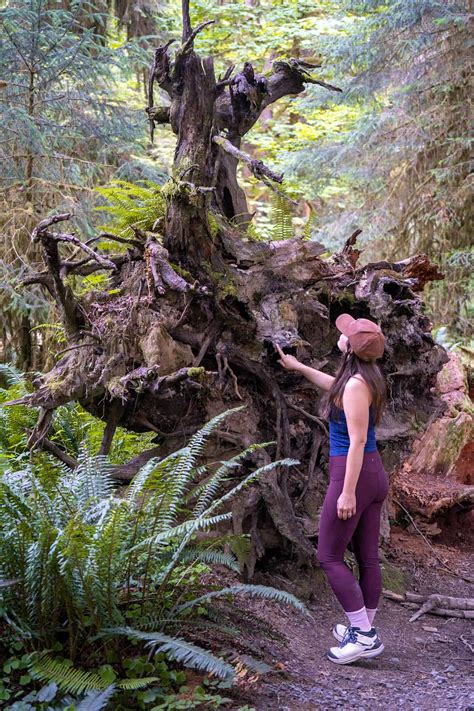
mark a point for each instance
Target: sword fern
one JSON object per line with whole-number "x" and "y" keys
{"x": 76, "y": 555}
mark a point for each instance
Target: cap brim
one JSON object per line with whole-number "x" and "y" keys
{"x": 343, "y": 322}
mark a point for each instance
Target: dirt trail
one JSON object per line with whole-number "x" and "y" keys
{"x": 425, "y": 665}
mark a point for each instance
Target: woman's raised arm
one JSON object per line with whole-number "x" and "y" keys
{"x": 322, "y": 380}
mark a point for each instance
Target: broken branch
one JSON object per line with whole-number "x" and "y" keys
{"x": 257, "y": 166}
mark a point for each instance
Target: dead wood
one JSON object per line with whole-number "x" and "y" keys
{"x": 442, "y": 605}
{"x": 189, "y": 328}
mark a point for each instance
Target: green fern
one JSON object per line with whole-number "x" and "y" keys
{"x": 10, "y": 374}
{"x": 78, "y": 681}
{"x": 132, "y": 684}
{"x": 132, "y": 206}
{"x": 97, "y": 700}
{"x": 310, "y": 224}
{"x": 245, "y": 482}
{"x": 263, "y": 591}
{"x": 178, "y": 649}
{"x": 210, "y": 488}
{"x": 281, "y": 216}
{"x": 80, "y": 555}
{"x": 210, "y": 556}
{"x": 69, "y": 679}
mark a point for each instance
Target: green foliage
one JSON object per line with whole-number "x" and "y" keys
{"x": 72, "y": 428}
{"x": 78, "y": 681}
{"x": 175, "y": 648}
{"x": 48, "y": 50}
{"x": 70, "y": 110}
{"x": 391, "y": 154}
{"x": 85, "y": 567}
{"x": 262, "y": 591}
{"x": 282, "y": 225}
{"x": 66, "y": 677}
{"x": 14, "y": 421}
{"x": 132, "y": 206}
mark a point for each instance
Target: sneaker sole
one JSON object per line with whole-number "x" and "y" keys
{"x": 361, "y": 655}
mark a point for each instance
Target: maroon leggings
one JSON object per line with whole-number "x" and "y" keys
{"x": 362, "y": 529}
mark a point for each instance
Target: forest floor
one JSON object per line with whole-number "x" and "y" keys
{"x": 425, "y": 665}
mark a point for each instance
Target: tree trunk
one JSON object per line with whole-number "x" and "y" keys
{"x": 200, "y": 306}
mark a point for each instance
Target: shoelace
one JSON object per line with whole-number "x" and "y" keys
{"x": 350, "y": 635}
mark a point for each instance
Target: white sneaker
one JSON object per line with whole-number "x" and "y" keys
{"x": 356, "y": 644}
{"x": 339, "y": 631}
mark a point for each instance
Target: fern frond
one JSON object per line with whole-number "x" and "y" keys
{"x": 68, "y": 678}
{"x": 204, "y": 522}
{"x": 264, "y": 591}
{"x": 211, "y": 487}
{"x": 184, "y": 474}
{"x": 132, "y": 684}
{"x": 288, "y": 462}
{"x": 309, "y": 225}
{"x": 97, "y": 700}
{"x": 282, "y": 223}
{"x": 132, "y": 206}
{"x": 79, "y": 681}
{"x": 185, "y": 470}
{"x": 93, "y": 477}
{"x": 178, "y": 649}
{"x": 152, "y": 471}
{"x": 11, "y": 375}
{"x": 212, "y": 557}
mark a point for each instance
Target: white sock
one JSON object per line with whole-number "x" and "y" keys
{"x": 359, "y": 618}
{"x": 371, "y": 614}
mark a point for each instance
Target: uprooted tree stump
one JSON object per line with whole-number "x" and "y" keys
{"x": 196, "y": 307}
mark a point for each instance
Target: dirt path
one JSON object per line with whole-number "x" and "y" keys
{"x": 425, "y": 666}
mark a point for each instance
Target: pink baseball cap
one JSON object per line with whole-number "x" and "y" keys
{"x": 365, "y": 336}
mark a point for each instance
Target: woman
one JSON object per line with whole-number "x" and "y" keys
{"x": 358, "y": 483}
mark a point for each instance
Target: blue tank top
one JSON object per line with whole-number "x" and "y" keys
{"x": 339, "y": 436}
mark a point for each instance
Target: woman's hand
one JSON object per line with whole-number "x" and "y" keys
{"x": 286, "y": 360}
{"x": 346, "y": 506}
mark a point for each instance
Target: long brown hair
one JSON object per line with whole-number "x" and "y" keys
{"x": 373, "y": 376}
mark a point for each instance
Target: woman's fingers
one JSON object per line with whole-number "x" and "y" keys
{"x": 345, "y": 513}
{"x": 282, "y": 355}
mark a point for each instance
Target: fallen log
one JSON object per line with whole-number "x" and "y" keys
{"x": 436, "y": 604}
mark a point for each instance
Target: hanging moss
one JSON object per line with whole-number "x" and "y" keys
{"x": 213, "y": 225}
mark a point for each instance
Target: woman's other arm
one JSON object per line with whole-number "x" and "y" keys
{"x": 356, "y": 401}
{"x": 322, "y": 380}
